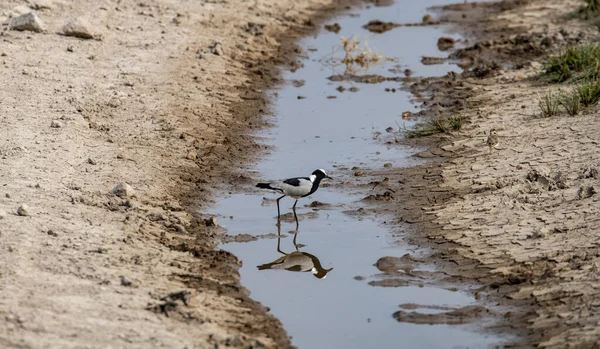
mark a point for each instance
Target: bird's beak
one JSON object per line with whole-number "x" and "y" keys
{"x": 328, "y": 177}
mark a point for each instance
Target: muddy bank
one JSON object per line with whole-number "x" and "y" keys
{"x": 520, "y": 220}
{"x": 161, "y": 97}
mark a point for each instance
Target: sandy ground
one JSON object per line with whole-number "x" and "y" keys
{"x": 162, "y": 98}
{"x": 523, "y": 220}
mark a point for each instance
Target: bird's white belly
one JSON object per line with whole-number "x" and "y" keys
{"x": 296, "y": 192}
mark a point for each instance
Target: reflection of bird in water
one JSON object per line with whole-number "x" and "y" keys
{"x": 297, "y": 188}
{"x": 297, "y": 261}
{"x": 493, "y": 141}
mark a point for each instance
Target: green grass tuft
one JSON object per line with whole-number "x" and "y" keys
{"x": 579, "y": 62}
{"x": 435, "y": 125}
{"x": 589, "y": 93}
{"x": 571, "y": 102}
{"x": 549, "y": 104}
{"x": 456, "y": 122}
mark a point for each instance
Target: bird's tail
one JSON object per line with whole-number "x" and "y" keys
{"x": 265, "y": 186}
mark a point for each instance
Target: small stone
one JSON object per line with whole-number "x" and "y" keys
{"x": 427, "y": 19}
{"x": 42, "y": 4}
{"x": 179, "y": 228}
{"x": 359, "y": 173}
{"x": 536, "y": 65}
{"x": 217, "y": 49}
{"x": 91, "y": 161}
{"x": 23, "y": 210}
{"x": 123, "y": 190}
{"x": 387, "y": 165}
{"x": 125, "y": 281}
{"x": 191, "y": 155}
{"x": 70, "y": 49}
{"x": 585, "y": 192}
{"x": 56, "y": 124}
{"x": 341, "y": 88}
{"x": 389, "y": 129}
{"x": 80, "y": 28}
{"x": 211, "y": 222}
{"x": 29, "y": 21}
{"x": 2, "y": 214}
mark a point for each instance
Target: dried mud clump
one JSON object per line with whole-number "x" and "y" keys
{"x": 387, "y": 196}
{"x": 586, "y": 191}
{"x": 377, "y": 26}
{"x": 334, "y": 28}
{"x": 453, "y": 317}
{"x": 550, "y": 181}
{"x": 444, "y": 44}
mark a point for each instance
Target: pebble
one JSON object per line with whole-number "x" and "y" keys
{"x": 217, "y": 49}
{"x": 42, "y": 4}
{"x": 191, "y": 155}
{"x": 23, "y": 210}
{"x": 91, "y": 161}
{"x": 387, "y": 165}
{"x": 179, "y": 228}
{"x": 29, "y": 21}
{"x": 211, "y": 222}
{"x": 56, "y": 124}
{"x": 125, "y": 281}
{"x": 2, "y": 214}
{"x": 80, "y": 28}
{"x": 123, "y": 190}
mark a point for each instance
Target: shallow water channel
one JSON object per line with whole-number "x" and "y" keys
{"x": 341, "y": 311}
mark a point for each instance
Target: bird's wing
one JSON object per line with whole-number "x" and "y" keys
{"x": 298, "y": 181}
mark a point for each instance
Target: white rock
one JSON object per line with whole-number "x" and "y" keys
{"x": 23, "y": 210}
{"x": 79, "y": 27}
{"x": 42, "y": 4}
{"x": 123, "y": 190}
{"x": 2, "y": 214}
{"x": 29, "y": 21}
{"x": 19, "y": 10}
{"x": 217, "y": 49}
{"x": 56, "y": 124}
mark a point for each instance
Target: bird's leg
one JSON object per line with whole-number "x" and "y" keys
{"x": 294, "y": 241}
{"x": 278, "y": 214}
{"x": 279, "y": 243}
{"x": 295, "y": 217}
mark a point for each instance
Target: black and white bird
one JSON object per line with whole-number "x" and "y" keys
{"x": 297, "y": 187}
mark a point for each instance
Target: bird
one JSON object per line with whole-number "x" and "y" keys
{"x": 493, "y": 141}
{"x": 297, "y": 187}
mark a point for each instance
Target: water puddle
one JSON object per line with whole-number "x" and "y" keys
{"x": 325, "y": 299}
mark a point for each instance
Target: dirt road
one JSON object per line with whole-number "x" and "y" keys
{"x": 161, "y": 98}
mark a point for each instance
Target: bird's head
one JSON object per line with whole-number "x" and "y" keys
{"x": 320, "y": 173}
{"x": 493, "y": 132}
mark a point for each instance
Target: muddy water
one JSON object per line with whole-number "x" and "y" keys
{"x": 341, "y": 310}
